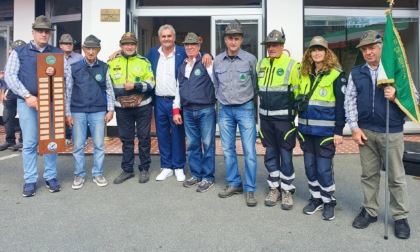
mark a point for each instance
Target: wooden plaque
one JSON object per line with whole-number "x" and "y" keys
{"x": 51, "y": 105}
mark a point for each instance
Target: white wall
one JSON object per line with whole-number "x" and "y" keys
{"x": 23, "y": 17}
{"x": 108, "y": 32}
{"x": 289, "y": 15}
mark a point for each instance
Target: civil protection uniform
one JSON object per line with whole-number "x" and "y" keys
{"x": 322, "y": 119}
{"x": 130, "y": 121}
{"x": 278, "y": 82}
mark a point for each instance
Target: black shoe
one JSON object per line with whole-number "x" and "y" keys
{"x": 123, "y": 177}
{"x": 16, "y": 147}
{"x": 144, "y": 176}
{"x": 5, "y": 146}
{"x": 231, "y": 190}
{"x": 329, "y": 211}
{"x": 402, "y": 229}
{"x": 250, "y": 199}
{"x": 363, "y": 219}
{"x": 314, "y": 205}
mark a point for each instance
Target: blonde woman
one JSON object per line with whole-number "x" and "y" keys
{"x": 320, "y": 105}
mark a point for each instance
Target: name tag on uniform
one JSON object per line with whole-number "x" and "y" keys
{"x": 261, "y": 74}
{"x": 117, "y": 76}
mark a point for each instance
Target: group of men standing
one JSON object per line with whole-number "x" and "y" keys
{"x": 188, "y": 85}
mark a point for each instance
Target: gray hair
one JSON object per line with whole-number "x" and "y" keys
{"x": 166, "y": 26}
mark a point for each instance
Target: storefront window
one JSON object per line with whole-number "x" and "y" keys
{"x": 65, "y": 7}
{"x": 165, "y": 3}
{"x": 411, "y": 4}
{"x": 343, "y": 34}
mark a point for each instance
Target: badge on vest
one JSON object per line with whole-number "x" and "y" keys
{"x": 197, "y": 72}
{"x": 138, "y": 79}
{"x": 117, "y": 76}
{"x": 280, "y": 71}
{"x": 323, "y": 92}
{"x": 242, "y": 77}
{"x": 98, "y": 77}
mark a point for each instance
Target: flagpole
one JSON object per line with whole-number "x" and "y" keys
{"x": 391, "y": 3}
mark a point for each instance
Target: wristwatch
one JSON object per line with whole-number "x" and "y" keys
{"x": 27, "y": 96}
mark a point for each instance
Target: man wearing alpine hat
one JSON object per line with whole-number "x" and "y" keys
{"x": 89, "y": 101}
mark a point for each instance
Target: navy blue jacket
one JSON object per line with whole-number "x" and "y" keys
{"x": 196, "y": 92}
{"x": 153, "y": 57}
{"x": 89, "y": 87}
{"x": 371, "y": 107}
{"x": 28, "y": 65}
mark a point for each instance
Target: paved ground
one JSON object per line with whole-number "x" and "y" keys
{"x": 164, "y": 216}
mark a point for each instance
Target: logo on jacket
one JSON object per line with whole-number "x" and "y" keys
{"x": 197, "y": 72}
{"x": 150, "y": 68}
{"x": 137, "y": 68}
{"x": 242, "y": 77}
{"x": 323, "y": 92}
{"x": 280, "y": 71}
{"x": 138, "y": 79}
{"x": 98, "y": 77}
{"x": 50, "y": 60}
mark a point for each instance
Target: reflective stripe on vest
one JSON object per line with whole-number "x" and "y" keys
{"x": 322, "y": 103}
{"x": 282, "y": 112}
{"x": 312, "y": 122}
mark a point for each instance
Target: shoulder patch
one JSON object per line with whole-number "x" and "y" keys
{"x": 343, "y": 89}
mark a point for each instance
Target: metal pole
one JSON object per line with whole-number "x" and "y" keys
{"x": 391, "y": 3}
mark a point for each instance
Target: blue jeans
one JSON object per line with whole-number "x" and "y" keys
{"x": 229, "y": 118}
{"x": 96, "y": 122}
{"x": 28, "y": 120}
{"x": 200, "y": 128}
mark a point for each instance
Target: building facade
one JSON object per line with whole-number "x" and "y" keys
{"x": 340, "y": 22}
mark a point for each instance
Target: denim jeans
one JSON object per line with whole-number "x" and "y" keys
{"x": 28, "y": 119}
{"x": 96, "y": 122}
{"x": 200, "y": 128}
{"x": 129, "y": 122}
{"x": 229, "y": 118}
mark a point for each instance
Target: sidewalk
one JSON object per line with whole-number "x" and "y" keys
{"x": 113, "y": 145}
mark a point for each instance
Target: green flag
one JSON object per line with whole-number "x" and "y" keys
{"x": 394, "y": 69}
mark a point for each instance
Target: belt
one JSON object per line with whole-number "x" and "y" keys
{"x": 167, "y": 97}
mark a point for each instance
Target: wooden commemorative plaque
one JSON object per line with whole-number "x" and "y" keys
{"x": 51, "y": 110}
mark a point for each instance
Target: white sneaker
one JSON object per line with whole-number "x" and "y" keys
{"x": 165, "y": 172}
{"x": 179, "y": 173}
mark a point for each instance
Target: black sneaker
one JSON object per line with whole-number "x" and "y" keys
{"x": 29, "y": 189}
{"x": 191, "y": 182}
{"x": 251, "y": 201}
{"x": 402, "y": 229}
{"x": 144, "y": 176}
{"x": 329, "y": 211}
{"x": 53, "y": 185}
{"x": 314, "y": 205}
{"x": 204, "y": 186}
{"x": 363, "y": 219}
{"x": 16, "y": 147}
{"x": 231, "y": 190}
{"x": 123, "y": 177}
{"x": 5, "y": 146}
